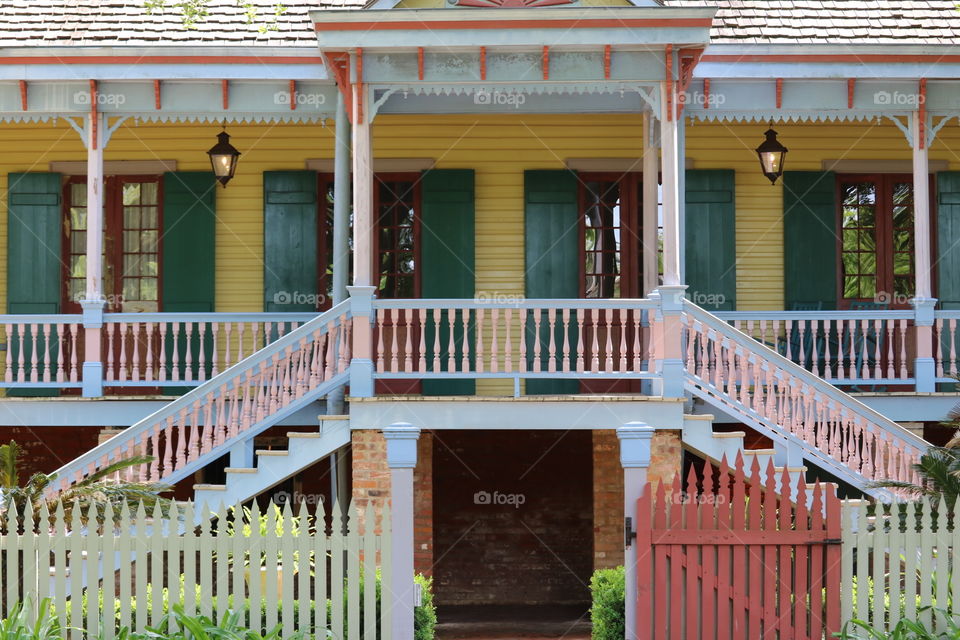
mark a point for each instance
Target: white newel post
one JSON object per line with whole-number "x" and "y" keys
{"x": 924, "y": 367}
{"x": 670, "y": 177}
{"x": 94, "y": 301}
{"x": 362, "y": 199}
{"x": 651, "y": 170}
{"x": 402, "y": 458}
{"x": 635, "y": 439}
{"x": 670, "y": 363}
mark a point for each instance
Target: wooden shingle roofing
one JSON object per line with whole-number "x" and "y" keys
{"x": 50, "y": 23}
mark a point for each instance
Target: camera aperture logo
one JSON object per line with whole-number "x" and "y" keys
{"x": 513, "y": 99}
{"x": 299, "y": 297}
{"x": 499, "y": 499}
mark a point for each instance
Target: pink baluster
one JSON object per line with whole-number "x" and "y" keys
{"x": 394, "y": 327}
{"x": 22, "y": 376}
{"x": 380, "y": 352}
{"x": 188, "y": 349}
{"x": 10, "y": 340}
{"x": 465, "y": 355}
{"x": 123, "y": 364}
{"x": 903, "y": 348}
{"x": 436, "y": 339}
{"x": 552, "y": 343}
{"x": 75, "y": 342}
{"x": 637, "y": 342}
{"x": 34, "y": 353}
{"x": 227, "y": 331}
{"x": 316, "y": 360}
{"x": 202, "y": 355}
{"x": 148, "y": 328}
{"x": 408, "y": 343}
{"x": 536, "y": 340}
{"x": 523, "y": 340}
{"x": 953, "y": 346}
{"x": 175, "y": 364}
{"x": 422, "y": 321}
{"x": 507, "y": 341}
{"x": 346, "y": 332}
{"x": 938, "y": 349}
{"x": 608, "y": 342}
{"x": 241, "y": 330}
{"x": 135, "y": 350}
{"x": 330, "y": 361}
{"x": 61, "y": 375}
{"x": 480, "y": 354}
{"x": 580, "y": 341}
{"x": 889, "y": 338}
{"x": 45, "y": 363}
{"x": 565, "y": 320}
{"x": 595, "y": 342}
{"x": 451, "y": 346}
{"x": 622, "y": 324}
{"x": 215, "y": 349}
{"x": 494, "y": 354}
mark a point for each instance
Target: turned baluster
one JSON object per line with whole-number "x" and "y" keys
{"x": 480, "y": 354}
{"x": 451, "y": 345}
{"x": 61, "y": 374}
{"x": 175, "y": 364}
{"x": 135, "y": 351}
{"x": 903, "y": 349}
{"x": 465, "y": 340}
{"x": 580, "y": 341}
{"x": 523, "y": 339}
{"x": 394, "y": 325}
{"x": 507, "y": 341}
{"x": 422, "y": 321}
{"x": 565, "y": 319}
{"x": 188, "y": 350}
{"x": 938, "y": 348}
{"x": 436, "y": 339}
{"x": 34, "y": 352}
{"x": 380, "y": 313}
{"x": 552, "y": 344}
{"x": 536, "y": 340}
{"x": 953, "y": 346}
{"x": 408, "y": 342}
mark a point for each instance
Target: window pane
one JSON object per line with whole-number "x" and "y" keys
{"x": 131, "y": 193}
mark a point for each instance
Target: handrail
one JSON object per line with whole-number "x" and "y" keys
{"x": 213, "y": 316}
{"x": 773, "y": 358}
{"x": 230, "y": 402}
{"x": 509, "y": 303}
{"x": 40, "y": 318}
{"x": 879, "y": 314}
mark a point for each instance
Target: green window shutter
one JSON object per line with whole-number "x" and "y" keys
{"x": 34, "y": 234}
{"x": 290, "y": 241}
{"x": 810, "y": 239}
{"x": 447, "y": 252}
{"x": 189, "y": 253}
{"x": 34, "y": 272}
{"x": 711, "y": 238}
{"x": 551, "y": 255}
{"x": 948, "y": 230}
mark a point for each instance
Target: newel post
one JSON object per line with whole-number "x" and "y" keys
{"x": 361, "y": 363}
{"x": 635, "y": 440}
{"x": 669, "y": 340}
{"x": 92, "y": 385}
{"x": 924, "y": 366}
{"x": 400, "y": 593}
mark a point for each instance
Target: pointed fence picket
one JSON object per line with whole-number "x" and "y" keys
{"x": 105, "y": 569}
{"x": 900, "y": 561}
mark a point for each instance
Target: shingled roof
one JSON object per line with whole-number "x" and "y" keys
{"x": 832, "y": 21}
{"x": 30, "y": 23}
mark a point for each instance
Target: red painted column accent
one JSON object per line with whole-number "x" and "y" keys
{"x": 546, "y": 63}
{"x": 156, "y": 95}
{"x": 293, "y": 95}
{"x": 483, "y": 63}
{"x": 23, "y": 95}
{"x": 706, "y": 93}
{"x": 225, "y": 92}
{"x": 779, "y": 93}
{"x": 420, "y": 63}
{"x": 851, "y": 84}
{"x": 668, "y": 66}
{"x": 606, "y": 61}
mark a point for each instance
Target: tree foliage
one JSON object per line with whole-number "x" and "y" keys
{"x": 193, "y": 12}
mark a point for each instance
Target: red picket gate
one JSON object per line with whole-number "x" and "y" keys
{"x": 731, "y": 559}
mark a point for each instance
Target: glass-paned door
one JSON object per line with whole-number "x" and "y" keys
{"x": 131, "y": 243}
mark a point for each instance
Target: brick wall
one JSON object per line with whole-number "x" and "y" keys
{"x": 371, "y": 485}
{"x": 607, "y": 500}
{"x": 666, "y": 456}
{"x": 539, "y": 551}
{"x": 46, "y": 449}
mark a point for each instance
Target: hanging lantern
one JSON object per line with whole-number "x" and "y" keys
{"x": 223, "y": 158}
{"x": 772, "y": 154}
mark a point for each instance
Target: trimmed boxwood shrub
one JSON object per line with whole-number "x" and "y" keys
{"x": 607, "y": 608}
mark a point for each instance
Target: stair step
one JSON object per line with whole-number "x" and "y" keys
{"x": 209, "y": 487}
{"x": 272, "y": 452}
{"x": 729, "y": 434}
{"x": 700, "y": 416}
{"x": 240, "y": 470}
{"x": 312, "y": 434}
{"x": 759, "y": 452}
{"x": 333, "y": 417}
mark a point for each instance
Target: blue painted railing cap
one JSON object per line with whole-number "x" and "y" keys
{"x": 401, "y": 445}
{"x": 635, "y": 440}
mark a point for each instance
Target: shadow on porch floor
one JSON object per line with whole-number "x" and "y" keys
{"x": 544, "y": 622}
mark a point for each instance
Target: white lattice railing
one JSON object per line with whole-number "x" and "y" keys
{"x": 41, "y": 350}
{"x": 777, "y": 396}
{"x": 246, "y": 398}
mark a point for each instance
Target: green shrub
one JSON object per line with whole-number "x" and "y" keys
{"x": 22, "y": 625}
{"x": 424, "y": 616}
{"x": 947, "y": 629}
{"x": 607, "y": 608}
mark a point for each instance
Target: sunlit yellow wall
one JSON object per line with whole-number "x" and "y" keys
{"x": 239, "y": 229}
{"x": 759, "y": 206}
{"x": 499, "y": 148}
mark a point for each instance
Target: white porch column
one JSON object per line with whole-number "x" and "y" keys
{"x": 635, "y": 439}
{"x": 341, "y": 231}
{"x": 670, "y": 157}
{"x": 651, "y": 170}
{"x": 923, "y": 302}
{"x": 399, "y": 594}
{"x": 93, "y": 299}
{"x": 362, "y": 198}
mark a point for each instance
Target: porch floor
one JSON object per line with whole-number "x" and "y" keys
{"x": 502, "y": 622}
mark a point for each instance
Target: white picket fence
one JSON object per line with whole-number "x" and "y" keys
{"x": 302, "y": 569}
{"x": 900, "y": 562}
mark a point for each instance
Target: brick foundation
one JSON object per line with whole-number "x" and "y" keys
{"x": 46, "y": 449}
{"x": 607, "y": 500}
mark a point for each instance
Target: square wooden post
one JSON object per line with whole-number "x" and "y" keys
{"x": 635, "y": 439}
{"x": 93, "y": 302}
{"x": 924, "y": 367}
{"x": 399, "y": 595}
